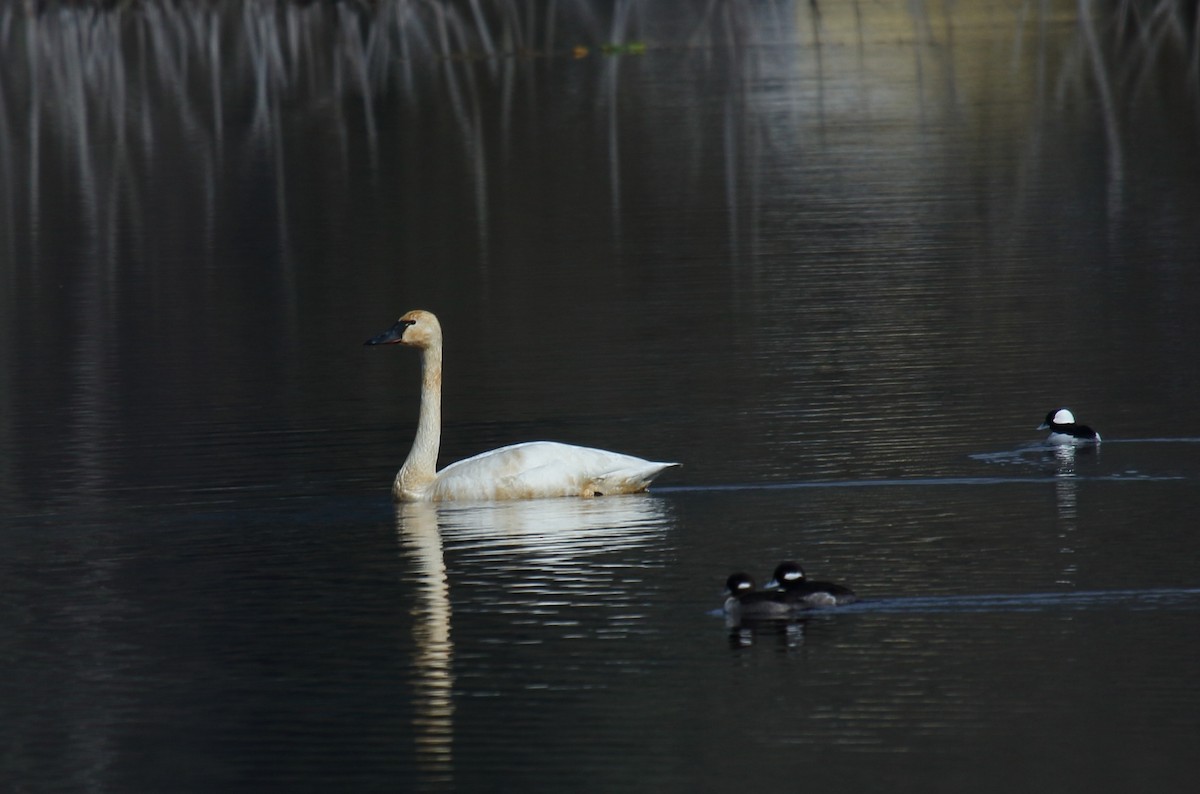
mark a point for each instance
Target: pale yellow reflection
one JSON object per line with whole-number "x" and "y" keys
{"x": 555, "y": 538}
{"x": 417, "y": 531}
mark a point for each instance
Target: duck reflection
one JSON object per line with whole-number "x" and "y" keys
{"x": 417, "y": 531}
{"x": 1066, "y": 485}
{"x": 785, "y": 634}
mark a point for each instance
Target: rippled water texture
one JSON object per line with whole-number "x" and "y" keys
{"x": 837, "y": 259}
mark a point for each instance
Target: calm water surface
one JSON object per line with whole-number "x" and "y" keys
{"x": 839, "y": 269}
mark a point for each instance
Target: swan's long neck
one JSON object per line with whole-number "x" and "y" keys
{"x": 420, "y": 468}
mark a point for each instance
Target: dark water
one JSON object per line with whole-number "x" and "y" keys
{"x": 838, "y": 267}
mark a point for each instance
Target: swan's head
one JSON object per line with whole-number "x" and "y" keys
{"x": 416, "y": 329}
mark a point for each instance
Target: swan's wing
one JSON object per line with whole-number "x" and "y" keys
{"x": 539, "y": 469}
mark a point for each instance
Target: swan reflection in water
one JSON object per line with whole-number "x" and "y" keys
{"x": 417, "y": 531}
{"x": 555, "y": 534}
{"x": 540, "y": 560}
{"x": 560, "y": 553}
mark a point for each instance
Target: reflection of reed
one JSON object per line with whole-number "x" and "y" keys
{"x": 1100, "y": 74}
{"x": 1147, "y": 39}
{"x": 123, "y": 88}
{"x": 417, "y": 530}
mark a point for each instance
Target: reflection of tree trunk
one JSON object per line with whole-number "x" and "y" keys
{"x": 433, "y": 665}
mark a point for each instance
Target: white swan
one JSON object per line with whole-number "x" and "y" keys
{"x": 532, "y": 470}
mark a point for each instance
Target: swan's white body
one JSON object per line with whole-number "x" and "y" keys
{"x": 539, "y": 469}
{"x": 533, "y": 470}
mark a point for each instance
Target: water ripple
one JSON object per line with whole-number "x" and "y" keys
{"x": 1152, "y": 599}
{"x": 905, "y": 482}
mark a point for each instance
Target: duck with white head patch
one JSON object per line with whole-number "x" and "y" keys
{"x": 793, "y": 584}
{"x": 1065, "y": 430}
{"x": 744, "y": 602}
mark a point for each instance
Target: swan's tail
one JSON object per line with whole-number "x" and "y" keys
{"x": 632, "y": 480}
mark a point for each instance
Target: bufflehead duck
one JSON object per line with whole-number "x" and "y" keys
{"x": 1064, "y": 430}
{"x": 746, "y": 602}
{"x": 789, "y": 578}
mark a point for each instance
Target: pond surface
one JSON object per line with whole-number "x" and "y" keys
{"x": 839, "y": 268}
